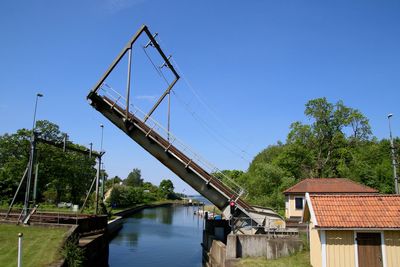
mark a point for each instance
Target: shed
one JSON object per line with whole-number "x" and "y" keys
{"x": 360, "y": 230}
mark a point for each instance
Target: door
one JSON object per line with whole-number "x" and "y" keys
{"x": 369, "y": 250}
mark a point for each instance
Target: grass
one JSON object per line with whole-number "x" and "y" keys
{"x": 300, "y": 259}
{"x": 40, "y": 245}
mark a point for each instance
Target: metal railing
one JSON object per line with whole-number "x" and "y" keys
{"x": 118, "y": 99}
{"x": 271, "y": 226}
{"x": 44, "y": 216}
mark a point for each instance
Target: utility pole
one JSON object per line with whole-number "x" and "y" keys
{"x": 99, "y": 172}
{"x": 97, "y": 184}
{"x": 101, "y": 167}
{"x": 394, "y": 163}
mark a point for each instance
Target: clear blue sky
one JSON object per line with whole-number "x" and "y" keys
{"x": 254, "y": 63}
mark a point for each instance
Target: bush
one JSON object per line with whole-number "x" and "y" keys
{"x": 125, "y": 196}
{"x": 73, "y": 255}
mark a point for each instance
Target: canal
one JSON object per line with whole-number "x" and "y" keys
{"x": 163, "y": 236}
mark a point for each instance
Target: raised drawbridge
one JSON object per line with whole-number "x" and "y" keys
{"x": 170, "y": 151}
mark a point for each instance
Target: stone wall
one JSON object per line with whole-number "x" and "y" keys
{"x": 239, "y": 246}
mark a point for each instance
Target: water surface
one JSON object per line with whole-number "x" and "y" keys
{"x": 164, "y": 236}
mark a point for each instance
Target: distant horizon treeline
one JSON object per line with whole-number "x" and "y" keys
{"x": 338, "y": 143}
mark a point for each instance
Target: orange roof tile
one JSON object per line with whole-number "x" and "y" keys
{"x": 329, "y": 185}
{"x": 356, "y": 211}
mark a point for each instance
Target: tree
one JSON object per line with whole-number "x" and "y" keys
{"x": 14, "y": 154}
{"x": 134, "y": 178}
{"x": 264, "y": 184}
{"x": 125, "y": 196}
{"x": 63, "y": 176}
{"x": 326, "y": 136}
{"x": 113, "y": 181}
{"x": 167, "y": 189}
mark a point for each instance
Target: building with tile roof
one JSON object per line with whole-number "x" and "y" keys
{"x": 295, "y": 195}
{"x": 353, "y": 229}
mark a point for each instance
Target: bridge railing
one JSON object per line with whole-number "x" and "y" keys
{"x": 270, "y": 225}
{"x": 44, "y": 216}
{"x": 118, "y": 99}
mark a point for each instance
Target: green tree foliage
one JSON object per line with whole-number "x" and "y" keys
{"x": 167, "y": 189}
{"x": 14, "y": 154}
{"x": 264, "y": 184}
{"x": 337, "y": 142}
{"x": 134, "y": 178}
{"x": 113, "y": 181}
{"x": 326, "y": 136}
{"x": 63, "y": 176}
{"x": 125, "y": 196}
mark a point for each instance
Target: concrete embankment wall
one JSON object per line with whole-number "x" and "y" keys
{"x": 223, "y": 249}
{"x": 114, "y": 226}
{"x": 240, "y": 246}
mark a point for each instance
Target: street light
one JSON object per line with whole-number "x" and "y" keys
{"x": 34, "y": 113}
{"x": 102, "y": 132}
{"x": 396, "y": 184}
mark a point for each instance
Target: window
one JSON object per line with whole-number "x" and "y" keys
{"x": 298, "y": 203}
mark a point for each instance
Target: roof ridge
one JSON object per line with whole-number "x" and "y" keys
{"x": 296, "y": 184}
{"x": 353, "y": 195}
{"x": 329, "y": 185}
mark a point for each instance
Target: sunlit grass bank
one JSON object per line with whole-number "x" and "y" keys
{"x": 41, "y": 246}
{"x": 301, "y": 259}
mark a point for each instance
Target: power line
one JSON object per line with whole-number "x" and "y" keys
{"x": 208, "y": 107}
{"x": 215, "y": 134}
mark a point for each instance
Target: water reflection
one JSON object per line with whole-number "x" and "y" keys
{"x": 166, "y": 215}
{"x": 165, "y": 236}
{"x": 142, "y": 215}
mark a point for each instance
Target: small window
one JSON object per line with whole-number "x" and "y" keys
{"x": 298, "y": 203}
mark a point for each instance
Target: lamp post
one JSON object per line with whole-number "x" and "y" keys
{"x": 31, "y": 158}
{"x": 396, "y": 184}
{"x": 102, "y": 133}
{"x": 34, "y": 113}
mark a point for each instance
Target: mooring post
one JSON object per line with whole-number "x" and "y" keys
{"x": 20, "y": 235}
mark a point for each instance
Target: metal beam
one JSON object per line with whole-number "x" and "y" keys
{"x": 117, "y": 60}
{"x": 128, "y": 48}
{"x": 161, "y": 52}
{"x": 160, "y": 100}
{"x": 60, "y": 145}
